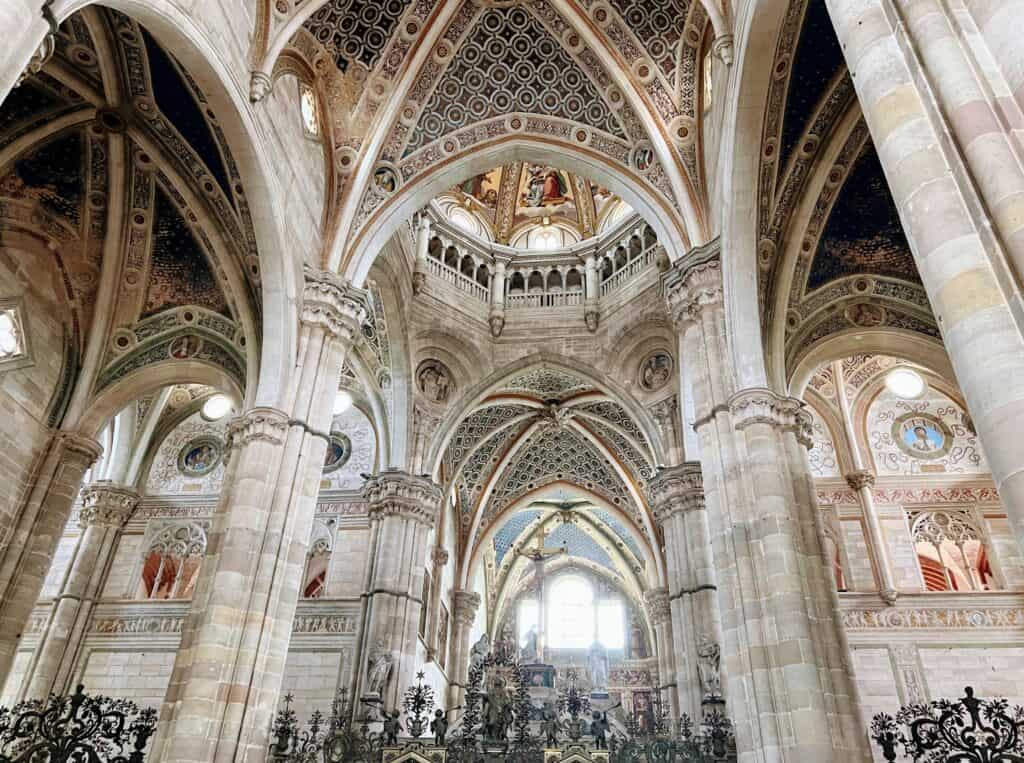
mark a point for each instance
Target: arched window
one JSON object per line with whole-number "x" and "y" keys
{"x": 170, "y": 566}
{"x": 576, "y": 615}
{"x": 951, "y": 552}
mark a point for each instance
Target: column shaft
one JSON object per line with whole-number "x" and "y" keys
{"x": 961, "y": 227}
{"x": 106, "y": 508}
{"x": 228, "y": 670}
{"x": 465, "y": 604}
{"x": 31, "y": 542}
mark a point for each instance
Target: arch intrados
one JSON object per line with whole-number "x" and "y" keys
{"x": 182, "y": 35}
{"x": 898, "y": 343}
{"x": 150, "y": 378}
{"x": 355, "y": 261}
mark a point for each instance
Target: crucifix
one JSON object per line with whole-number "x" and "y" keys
{"x": 539, "y": 555}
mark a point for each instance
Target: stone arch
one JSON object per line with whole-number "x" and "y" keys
{"x": 181, "y": 34}
{"x": 358, "y": 257}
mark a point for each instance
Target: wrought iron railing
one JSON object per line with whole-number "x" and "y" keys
{"x": 75, "y": 729}
{"x": 969, "y": 730}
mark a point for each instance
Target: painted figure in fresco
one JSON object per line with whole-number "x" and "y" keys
{"x": 921, "y": 441}
{"x": 201, "y": 458}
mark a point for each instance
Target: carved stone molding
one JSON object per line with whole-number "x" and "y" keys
{"x": 693, "y": 284}
{"x": 759, "y": 405}
{"x": 860, "y": 479}
{"x": 260, "y": 85}
{"x": 658, "y": 607}
{"x": 675, "y": 490}
{"x": 920, "y": 618}
{"x": 105, "y": 503}
{"x": 257, "y": 425}
{"x": 439, "y": 556}
{"x": 333, "y": 304}
{"x": 464, "y": 607}
{"x": 398, "y": 493}
{"x": 78, "y": 450}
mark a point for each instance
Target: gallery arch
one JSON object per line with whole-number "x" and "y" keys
{"x": 664, "y": 348}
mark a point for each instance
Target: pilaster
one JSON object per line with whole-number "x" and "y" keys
{"x": 465, "y": 605}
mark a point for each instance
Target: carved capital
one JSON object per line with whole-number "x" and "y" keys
{"x": 107, "y": 504}
{"x": 257, "y": 425}
{"x": 398, "y": 493}
{"x": 722, "y": 48}
{"x": 658, "y": 607}
{"x": 862, "y": 478}
{"x": 260, "y": 85}
{"x": 675, "y": 490}
{"x": 439, "y": 556}
{"x": 333, "y": 304}
{"x": 693, "y": 284}
{"x": 464, "y": 607}
{"x": 760, "y": 405}
{"x": 78, "y": 450}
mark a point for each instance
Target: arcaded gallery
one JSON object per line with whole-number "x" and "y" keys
{"x": 543, "y": 381}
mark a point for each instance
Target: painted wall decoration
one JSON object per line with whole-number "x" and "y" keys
{"x": 356, "y": 445}
{"x": 200, "y": 456}
{"x": 190, "y": 460}
{"x": 339, "y": 450}
{"x": 822, "y": 455}
{"x": 925, "y": 436}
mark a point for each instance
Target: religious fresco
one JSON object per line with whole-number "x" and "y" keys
{"x": 930, "y": 435}
{"x": 190, "y": 460}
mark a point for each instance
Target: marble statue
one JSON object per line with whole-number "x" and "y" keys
{"x": 597, "y": 658}
{"x": 528, "y": 654}
{"x": 709, "y": 656}
{"x": 480, "y": 651}
{"x": 380, "y": 669}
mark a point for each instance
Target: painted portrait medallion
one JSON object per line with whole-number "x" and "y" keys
{"x": 200, "y": 456}
{"x": 921, "y": 435}
{"x": 339, "y": 450}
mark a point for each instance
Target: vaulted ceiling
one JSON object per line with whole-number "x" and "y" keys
{"x": 113, "y": 113}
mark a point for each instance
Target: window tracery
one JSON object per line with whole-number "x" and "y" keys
{"x": 951, "y": 552}
{"x": 170, "y": 566}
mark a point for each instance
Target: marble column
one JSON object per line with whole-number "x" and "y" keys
{"x": 784, "y": 662}
{"x": 106, "y": 507}
{"x": 956, "y": 179}
{"x": 592, "y": 296}
{"x": 656, "y": 602}
{"x": 863, "y": 482}
{"x": 465, "y": 605}
{"x": 227, "y": 673}
{"x": 438, "y": 559}
{"x": 677, "y": 495}
{"x": 497, "y": 314}
{"x": 28, "y": 545}
{"x": 419, "y": 275}
{"x": 403, "y": 509}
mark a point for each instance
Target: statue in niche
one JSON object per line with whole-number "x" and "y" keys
{"x": 597, "y": 658}
{"x": 434, "y": 381}
{"x": 655, "y": 371}
{"x": 528, "y": 653}
{"x": 709, "y": 657}
{"x": 380, "y": 669}
{"x": 480, "y": 651}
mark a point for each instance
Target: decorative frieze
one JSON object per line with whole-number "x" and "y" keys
{"x": 919, "y": 618}
{"x": 911, "y": 495}
{"x": 107, "y": 504}
{"x": 676, "y": 489}
{"x": 398, "y": 493}
{"x": 332, "y": 303}
{"x": 693, "y": 283}
{"x": 341, "y": 624}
